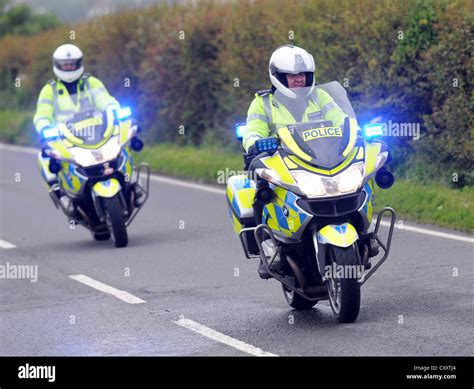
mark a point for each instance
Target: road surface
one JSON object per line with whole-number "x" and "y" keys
{"x": 184, "y": 287}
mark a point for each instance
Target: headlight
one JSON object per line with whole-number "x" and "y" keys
{"x": 313, "y": 185}
{"x": 90, "y": 157}
{"x": 351, "y": 179}
{"x": 310, "y": 184}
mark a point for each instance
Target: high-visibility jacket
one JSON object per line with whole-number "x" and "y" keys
{"x": 56, "y": 105}
{"x": 266, "y": 114}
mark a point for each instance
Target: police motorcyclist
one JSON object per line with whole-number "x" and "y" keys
{"x": 291, "y": 70}
{"x": 71, "y": 92}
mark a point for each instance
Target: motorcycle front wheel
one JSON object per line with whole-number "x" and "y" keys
{"x": 343, "y": 286}
{"x": 116, "y": 220}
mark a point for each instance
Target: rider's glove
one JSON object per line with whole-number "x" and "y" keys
{"x": 249, "y": 156}
{"x": 252, "y": 151}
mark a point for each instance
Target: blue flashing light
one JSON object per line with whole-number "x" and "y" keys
{"x": 51, "y": 132}
{"x": 123, "y": 113}
{"x": 240, "y": 129}
{"x": 371, "y": 130}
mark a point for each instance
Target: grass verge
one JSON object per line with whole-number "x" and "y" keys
{"x": 17, "y": 127}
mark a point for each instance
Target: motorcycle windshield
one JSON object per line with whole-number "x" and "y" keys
{"x": 86, "y": 127}
{"x": 320, "y": 124}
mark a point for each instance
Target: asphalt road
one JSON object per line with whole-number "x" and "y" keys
{"x": 186, "y": 264}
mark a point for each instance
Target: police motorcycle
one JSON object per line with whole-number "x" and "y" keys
{"x": 305, "y": 208}
{"x": 97, "y": 184}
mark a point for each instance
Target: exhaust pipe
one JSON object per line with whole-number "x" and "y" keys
{"x": 298, "y": 273}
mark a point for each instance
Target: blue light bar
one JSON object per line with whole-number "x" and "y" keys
{"x": 240, "y": 129}
{"x": 371, "y": 130}
{"x": 123, "y": 113}
{"x": 51, "y": 132}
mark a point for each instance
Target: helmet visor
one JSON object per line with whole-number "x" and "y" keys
{"x": 68, "y": 65}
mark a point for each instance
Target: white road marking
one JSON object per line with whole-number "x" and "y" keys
{"x": 21, "y": 149}
{"x": 429, "y": 232}
{"x": 174, "y": 181}
{"x": 219, "y": 337}
{"x": 120, "y": 294}
{"x": 6, "y": 245}
{"x": 211, "y": 189}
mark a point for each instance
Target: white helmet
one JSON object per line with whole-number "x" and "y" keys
{"x": 67, "y": 63}
{"x": 290, "y": 59}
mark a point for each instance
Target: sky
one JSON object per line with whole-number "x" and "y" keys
{"x": 71, "y": 11}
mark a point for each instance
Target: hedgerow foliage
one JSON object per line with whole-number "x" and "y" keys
{"x": 194, "y": 67}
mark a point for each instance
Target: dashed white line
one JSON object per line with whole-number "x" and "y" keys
{"x": 120, "y": 294}
{"x": 211, "y": 189}
{"x": 220, "y": 337}
{"x": 6, "y": 245}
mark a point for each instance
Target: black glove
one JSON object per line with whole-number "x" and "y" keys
{"x": 249, "y": 156}
{"x": 252, "y": 150}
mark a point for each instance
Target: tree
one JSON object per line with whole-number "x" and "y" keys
{"x": 21, "y": 20}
